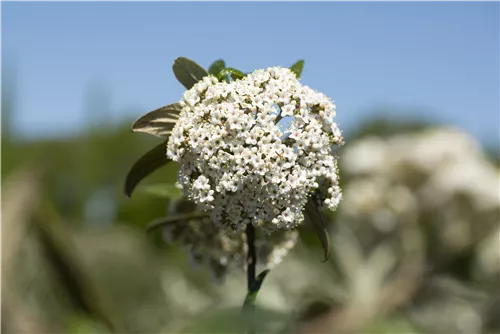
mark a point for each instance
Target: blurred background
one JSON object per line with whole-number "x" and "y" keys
{"x": 415, "y": 242}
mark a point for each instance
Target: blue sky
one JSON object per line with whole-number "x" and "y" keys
{"x": 432, "y": 60}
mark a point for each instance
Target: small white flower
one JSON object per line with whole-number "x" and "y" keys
{"x": 288, "y": 215}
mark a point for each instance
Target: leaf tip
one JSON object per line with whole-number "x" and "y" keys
{"x": 126, "y": 190}
{"x": 297, "y": 68}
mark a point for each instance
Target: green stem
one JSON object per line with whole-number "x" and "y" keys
{"x": 249, "y": 306}
{"x": 251, "y": 256}
{"x": 254, "y": 283}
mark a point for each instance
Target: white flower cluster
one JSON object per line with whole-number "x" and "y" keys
{"x": 439, "y": 177}
{"x": 237, "y": 162}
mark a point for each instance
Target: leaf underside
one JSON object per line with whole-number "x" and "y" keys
{"x": 315, "y": 218}
{"x": 158, "y": 122}
{"x": 188, "y": 72}
{"x": 145, "y": 165}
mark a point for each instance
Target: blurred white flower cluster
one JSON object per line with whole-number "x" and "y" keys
{"x": 439, "y": 177}
{"x": 208, "y": 245}
{"x": 237, "y": 163}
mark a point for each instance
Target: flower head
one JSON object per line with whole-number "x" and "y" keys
{"x": 238, "y": 164}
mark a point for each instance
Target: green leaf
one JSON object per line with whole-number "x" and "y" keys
{"x": 297, "y": 68}
{"x": 159, "y": 122}
{"x": 234, "y": 73}
{"x": 254, "y": 289}
{"x": 145, "y": 165}
{"x": 216, "y": 67}
{"x": 175, "y": 219}
{"x": 315, "y": 218}
{"x": 164, "y": 190}
{"x": 188, "y": 72}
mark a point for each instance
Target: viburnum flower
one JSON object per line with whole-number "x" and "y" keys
{"x": 252, "y": 151}
{"x": 256, "y": 154}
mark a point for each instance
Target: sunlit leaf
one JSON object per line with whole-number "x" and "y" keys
{"x": 146, "y": 164}
{"x": 175, "y": 219}
{"x": 216, "y": 67}
{"x": 297, "y": 68}
{"x": 188, "y": 72}
{"x": 164, "y": 190}
{"x": 159, "y": 122}
{"x": 234, "y": 73}
{"x": 314, "y": 217}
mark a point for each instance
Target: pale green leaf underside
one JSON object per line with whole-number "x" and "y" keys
{"x": 159, "y": 122}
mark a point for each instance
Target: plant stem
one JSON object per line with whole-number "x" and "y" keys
{"x": 251, "y": 264}
{"x": 251, "y": 256}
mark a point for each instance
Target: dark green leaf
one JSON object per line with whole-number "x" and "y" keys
{"x": 297, "y": 68}
{"x": 216, "y": 67}
{"x": 175, "y": 219}
{"x": 315, "y": 218}
{"x": 146, "y": 164}
{"x": 234, "y": 73}
{"x": 188, "y": 72}
{"x": 158, "y": 122}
